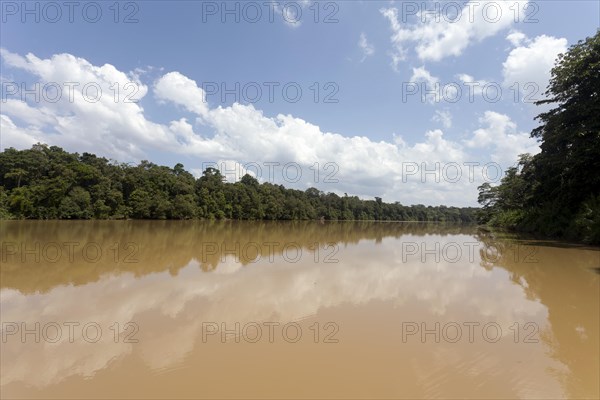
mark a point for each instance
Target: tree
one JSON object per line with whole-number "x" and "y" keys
{"x": 183, "y": 207}
{"x": 488, "y": 197}
{"x": 556, "y": 191}
{"x": 569, "y": 162}
{"x": 16, "y": 174}
{"x": 77, "y": 205}
{"x": 140, "y": 203}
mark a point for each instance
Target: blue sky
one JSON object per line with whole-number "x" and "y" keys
{"x": 367, "y": 58}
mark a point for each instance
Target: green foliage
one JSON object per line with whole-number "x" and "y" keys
{"x": 49, "y": 183}
{"x": 101, "y": 210}
{"x": 556, "y": 192}
{"x": 140, "y": 203}
{"x": 183, "y": 207}
{"x": 4, "y": 205}
{"x": 77, "y": 205}
{"x": 510, "y": 219}
{"x": 587, "y": 221}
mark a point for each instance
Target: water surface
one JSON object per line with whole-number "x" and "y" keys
{"x": 181, "y": 309}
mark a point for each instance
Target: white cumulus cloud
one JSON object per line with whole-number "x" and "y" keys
{"x": 500, "y": 133}
{"x": 438, "y": 34}
{"x": 529, "y": 63}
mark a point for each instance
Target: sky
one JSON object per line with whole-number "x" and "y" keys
{"x": 416, "y": 102}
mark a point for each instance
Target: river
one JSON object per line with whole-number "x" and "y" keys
{"x": 198, "y": 309}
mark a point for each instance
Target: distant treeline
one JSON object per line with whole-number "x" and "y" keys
{"x": 557, "y": 192}
{"x": 46, "y": 182}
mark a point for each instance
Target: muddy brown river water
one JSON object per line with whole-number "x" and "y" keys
{"x": 182, "y": 309}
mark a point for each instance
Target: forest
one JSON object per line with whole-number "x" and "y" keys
{"x": 46, "y": 182}
{"x": 556, "y": 193}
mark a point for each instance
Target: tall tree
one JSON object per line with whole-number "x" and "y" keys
{"x": 557, "y": 192}
{"x": 569, "y": 162}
